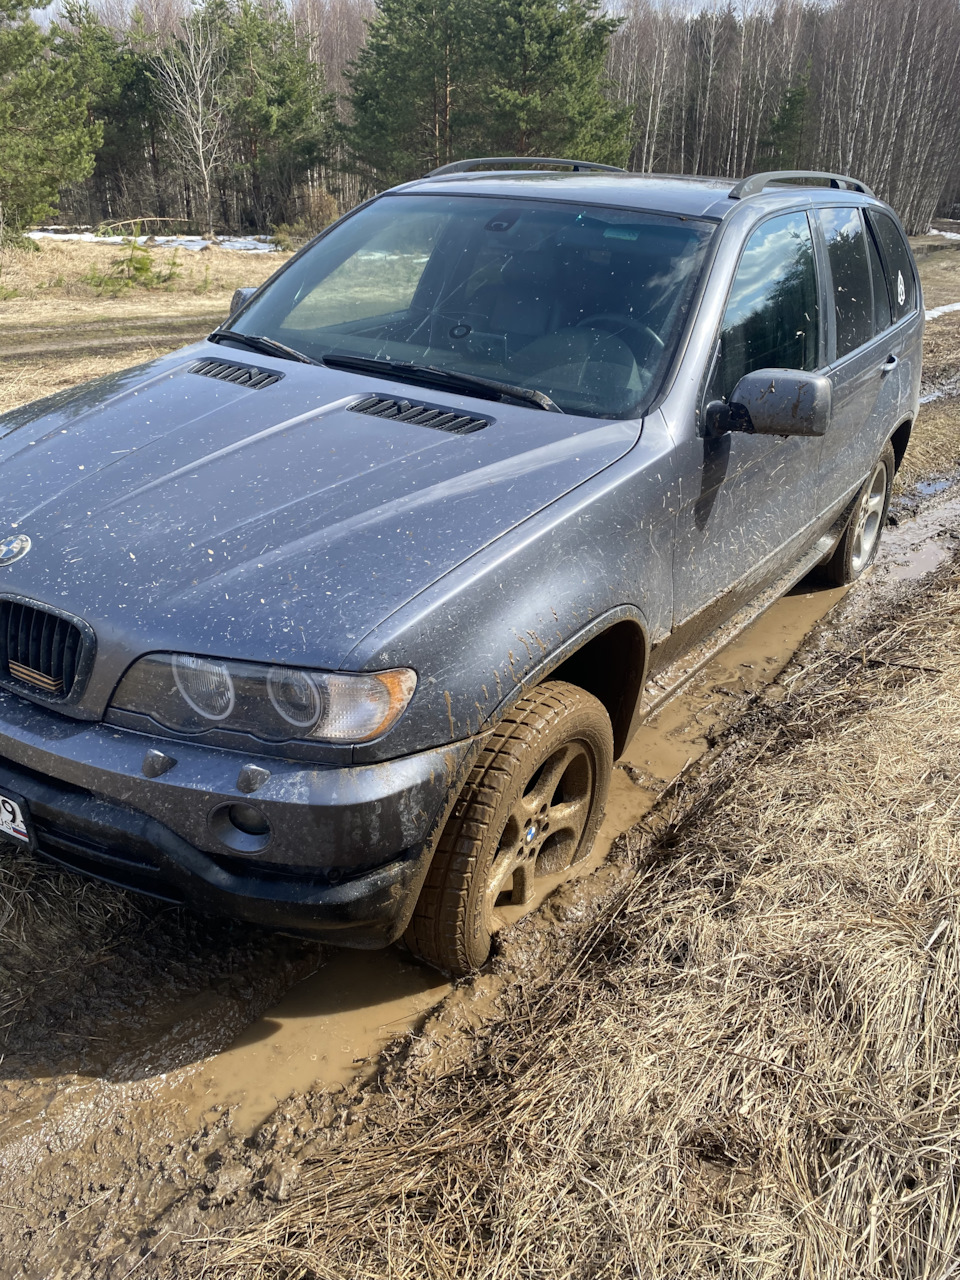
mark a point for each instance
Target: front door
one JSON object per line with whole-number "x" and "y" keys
{"x": 748, "y": 500}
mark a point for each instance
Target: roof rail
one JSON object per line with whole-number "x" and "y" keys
{"x": 758, "y": 181}
{"x": 492, "y": 162}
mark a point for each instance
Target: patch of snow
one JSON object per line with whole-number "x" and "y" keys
{"x": 950, "y": 235}
{"x": 246, "y": 244}
{"x": 942, "y": 311}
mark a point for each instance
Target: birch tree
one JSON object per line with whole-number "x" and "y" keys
{"x": 191, "y": 73}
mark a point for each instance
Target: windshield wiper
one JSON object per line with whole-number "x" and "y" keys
{"x": 266, "y": 346}
{"x": 430, "y": 375}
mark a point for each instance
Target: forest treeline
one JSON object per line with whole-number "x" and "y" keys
{"x": 258, "y": 114}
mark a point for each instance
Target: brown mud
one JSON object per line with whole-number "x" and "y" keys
{"x": 138, "y": 1095}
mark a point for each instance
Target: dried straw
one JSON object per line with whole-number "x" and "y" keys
{"x": 51, "y": 925}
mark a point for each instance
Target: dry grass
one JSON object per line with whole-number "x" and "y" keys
{"x": 935, "y": 441}
{"x": 940, "y": 275}
{"x": 52, "y": 925}
{"x": 59, "y": 270}
{"x": 934, "y": 448}
{"x": 24, "y": 380}
{"x": 746, "y": 1068}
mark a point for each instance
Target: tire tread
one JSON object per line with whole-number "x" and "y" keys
{"x": 436, "y": 932}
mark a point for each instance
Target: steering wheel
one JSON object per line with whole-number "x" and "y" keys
{"x": 622, "y": 322}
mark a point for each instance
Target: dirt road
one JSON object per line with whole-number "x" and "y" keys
{"x": 45, "y": 340}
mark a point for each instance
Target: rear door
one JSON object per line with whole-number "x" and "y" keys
{"x": 749, "y": 499}
{"x": 903, "y": 288}
{"x": 865, "y": 346}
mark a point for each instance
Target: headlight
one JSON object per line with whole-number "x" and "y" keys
{"x": 192, "y": 695}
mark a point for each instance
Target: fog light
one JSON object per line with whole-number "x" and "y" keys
{"x": 249, "y": 820}
{"x": 240, "y": 827}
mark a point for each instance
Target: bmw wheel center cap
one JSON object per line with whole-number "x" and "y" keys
{"x": 14, "y": 548}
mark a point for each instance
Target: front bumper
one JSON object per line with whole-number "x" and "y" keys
{"x": 347, "y": 850}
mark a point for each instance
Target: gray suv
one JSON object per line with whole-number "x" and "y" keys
{"x": 337, "y": 620}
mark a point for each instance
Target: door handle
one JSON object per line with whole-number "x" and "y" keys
{"x": 889, "y": 364}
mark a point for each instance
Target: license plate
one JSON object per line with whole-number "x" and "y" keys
{"x": 12, "y": 821}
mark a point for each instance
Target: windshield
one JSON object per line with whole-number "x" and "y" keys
{"x": 580, "y": 302}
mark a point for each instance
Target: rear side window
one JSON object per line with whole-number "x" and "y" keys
{"x": 850, "y": 267}
{"x": 882, "y": 316}
{"x": 899, "y": 268}
{"x": 772, "y": 315}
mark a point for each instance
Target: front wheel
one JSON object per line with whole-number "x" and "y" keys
{"x": 530, "y": 809}
{"x": 861, "y": 538}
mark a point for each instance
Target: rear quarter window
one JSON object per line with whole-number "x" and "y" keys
{"x": 901, "y": 282}
{"x": 882, "y": 315}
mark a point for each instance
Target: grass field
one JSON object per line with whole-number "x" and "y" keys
{"x": 50, "y": 299}
{"x": 79, "y": 273}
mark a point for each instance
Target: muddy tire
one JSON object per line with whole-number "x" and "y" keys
{"x": 531, "y": 808}
{"x": 861, "y": 538}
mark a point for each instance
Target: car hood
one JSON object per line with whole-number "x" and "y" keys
{"x": 173, "y": 510}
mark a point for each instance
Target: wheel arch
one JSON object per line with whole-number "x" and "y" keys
{"x": 611, "y": 664}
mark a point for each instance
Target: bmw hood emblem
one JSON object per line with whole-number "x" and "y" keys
{"x": 14, "y": 548}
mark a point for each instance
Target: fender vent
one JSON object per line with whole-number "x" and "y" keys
{"x": 241, "y": 375}
{"x": 421, "y": 415}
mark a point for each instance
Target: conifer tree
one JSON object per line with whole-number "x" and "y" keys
{"x": 541, "y": 87}
{"x": 274, "y": 98}
{"x": 410, "y": 87}
{"x": 46, "y": 136}
{"x": 116, "y": 73}
{"x": 440, "y": 80}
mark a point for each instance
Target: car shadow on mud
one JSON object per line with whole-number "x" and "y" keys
{"x": 95, "y": 982}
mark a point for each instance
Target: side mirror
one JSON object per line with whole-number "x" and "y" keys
{"x": 240, "y": 296}
{"x": 774, "y": 402}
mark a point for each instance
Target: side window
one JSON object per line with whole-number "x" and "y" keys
{"x": 850, "y": 266}
{"x": 772, "y": 320}
{"x": 903, "y": 286}
{"x": 882, "y": 315}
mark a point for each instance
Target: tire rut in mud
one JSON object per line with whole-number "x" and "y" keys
{"x": 102, "y": 338}
{"x": 102, "y": 1110}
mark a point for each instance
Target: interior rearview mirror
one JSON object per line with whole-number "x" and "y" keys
{"x": 240, "y": 296}
{"x": 773, "y": 402}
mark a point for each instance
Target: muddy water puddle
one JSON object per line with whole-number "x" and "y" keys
{"x": 322, "y": 1030}
{"x": 925, "y": 543}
